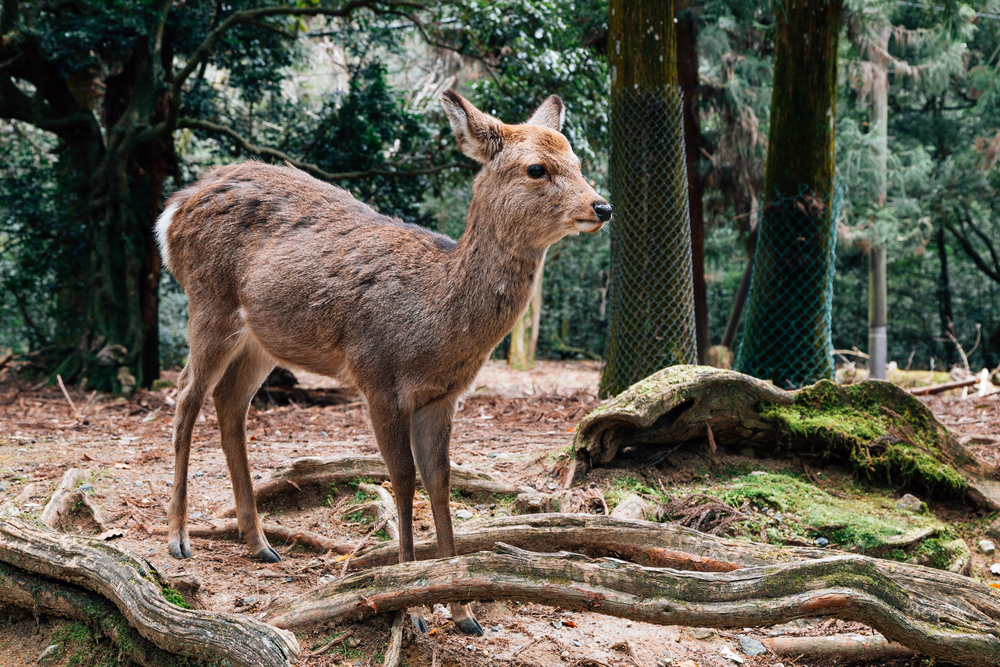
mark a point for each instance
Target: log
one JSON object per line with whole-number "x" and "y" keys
{"x": 660, "y": 545}
{"x": 841, "y": 648}
{"x": 850, "y": 587}
{"x": 314, "y": 470}
{"x": 55, "y": 598}
{"x": 671, "y": 408}
{"x": 136, "y": 589}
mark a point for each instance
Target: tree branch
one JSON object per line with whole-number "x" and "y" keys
{"x": 263, "y": 151}
{"x": 985, "y": 239}
{"x": 253, "y": 16}
{"x": 973, "y": 253}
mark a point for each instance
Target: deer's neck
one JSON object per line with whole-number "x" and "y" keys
{"x": 494, "y": 276}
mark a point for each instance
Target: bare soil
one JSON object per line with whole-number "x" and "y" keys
{"x": 515, "y": 426}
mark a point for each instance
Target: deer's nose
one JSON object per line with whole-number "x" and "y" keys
{"x": 603, "y": 210}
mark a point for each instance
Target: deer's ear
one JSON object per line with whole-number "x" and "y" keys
{"x": 479, "y": 135}
{"x": 550, "y": 114}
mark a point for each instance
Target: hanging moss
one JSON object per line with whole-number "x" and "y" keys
{"x": 898, "y": 445}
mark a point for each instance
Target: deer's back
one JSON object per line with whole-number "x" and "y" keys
{"x": 319, "y": 277}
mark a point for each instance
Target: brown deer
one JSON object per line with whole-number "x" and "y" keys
{"x": 281, "y": 268}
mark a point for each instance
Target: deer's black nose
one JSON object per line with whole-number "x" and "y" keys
{"x": 603, "y": 210}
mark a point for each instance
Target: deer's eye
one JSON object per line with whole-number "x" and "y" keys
{"x": 536, "y": 171}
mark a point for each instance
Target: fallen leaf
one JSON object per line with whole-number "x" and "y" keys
{"x": 729, "y": 654}
{"x": 87, "y": 458}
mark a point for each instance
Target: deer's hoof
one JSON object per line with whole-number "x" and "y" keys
{"x": 418, "y": 622}
{"x": 470, "y": 626}
{"x": 268, "y": 555}
{"x": 179, "y": 548}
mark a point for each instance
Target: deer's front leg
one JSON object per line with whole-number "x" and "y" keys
{"x": 430, "y": 436}
{"x": 392, "y": 432}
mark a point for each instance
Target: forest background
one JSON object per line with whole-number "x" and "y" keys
{"x": 91, "y": 144}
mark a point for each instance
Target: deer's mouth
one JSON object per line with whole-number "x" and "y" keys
{"x": 588, "y": 226}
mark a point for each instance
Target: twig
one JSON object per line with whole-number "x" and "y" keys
{"x": 330, "y": 644}
{"x": 62, "y": 386}
{"x": 360, "y": 545}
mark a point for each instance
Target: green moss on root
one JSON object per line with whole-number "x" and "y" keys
{"x": 888, "y": 436}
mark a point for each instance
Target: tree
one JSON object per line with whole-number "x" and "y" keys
{"x": 99, "y": 76}
{"x": 787, "y": 334}
{"x": 652, "y": 313}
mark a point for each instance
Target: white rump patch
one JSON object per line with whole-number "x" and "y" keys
{"x": 162, "y": 224}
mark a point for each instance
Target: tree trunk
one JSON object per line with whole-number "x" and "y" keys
{"x": 787, "y": 333}
{"x": 687, "y": 75}
{"x": 110, "y": 328}
{"x": 652, "y": 312}
{"x": 877, "y": 258}
{"x": 524, "y": 335}
{"x": 944, "y": 291}
{"x": 850, "y": 587}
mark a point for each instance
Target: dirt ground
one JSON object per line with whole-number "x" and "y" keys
{"x": 513, "y": 425}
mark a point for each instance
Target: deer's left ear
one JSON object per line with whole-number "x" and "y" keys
{"x": 550, "y": 114}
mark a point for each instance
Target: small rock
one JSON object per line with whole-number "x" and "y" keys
{"x": 324, "y": 434}
{"x": 729, "y": 654}
{"x": 537, "y": 503}
{"x": 139, "y": 483}
{"x": 470, "y": 647}
{"x": 778, "y": 664}
{"x": 909, "y": 503}
{"x": 576, "y": 643}
{"x": 496, "y": 628}
{"x": 3, "y": 486}
{"x": 702, "y": 633}
{"x": 551, "y": 486}
{"x": 325, "y": 579}
{"x": 557, "y": 624}
{"x": 987, "y": 547}
{"x": 170, "y": 483}
{"x": 86, "y": 488}
{"x": 750, "y": 646}
{"x": 564, "y": 655}
{"x": 247, "y": 601}
{"x": 633, "y": 507}
{"x": 353, "y": 642}
{"x": 200, "y": 473}
{"x": 822, "y": 541}
{"x": 51, "y": 653}
{"x": 464, "y": 515}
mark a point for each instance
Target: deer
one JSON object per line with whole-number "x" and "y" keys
{"x": 281, "y": 268}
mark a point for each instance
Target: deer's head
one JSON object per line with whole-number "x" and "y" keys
{"x": 531, "y": 183}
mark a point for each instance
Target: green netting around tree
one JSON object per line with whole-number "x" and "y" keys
{"x": 652, "y": 292}
{"x": 786, "y": 336}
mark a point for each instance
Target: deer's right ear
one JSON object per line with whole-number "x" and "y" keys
{"x": 479, "y": 135}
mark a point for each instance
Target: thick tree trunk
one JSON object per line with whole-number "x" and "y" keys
{"x": 687, "y": 76}
{"x": 652, "y": 312}
{"x": 524, "y": 335}
{"x": 787, "y": 333}
{"x": 877, "y": 258}
{"x": 850, "y": 587}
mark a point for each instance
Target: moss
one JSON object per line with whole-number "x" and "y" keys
{"x": 174, "y": 597}
{"x": 888, "y": 436}
{"x": 868, "y": 523}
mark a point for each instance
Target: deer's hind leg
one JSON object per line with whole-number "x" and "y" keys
{"x": 212, "y": 345}
{"x": 232, "y": 395}
{"x": 430, "y": 437}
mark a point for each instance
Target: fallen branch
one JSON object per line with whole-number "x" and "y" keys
{"x": 850, "y": 587}
{"x": 277, "y": 535}
{"x": 841, "y": 648}
{"x": 395, "y": 649}
{"x": 386, "y": 508}
{"x": 313, "y": 470}
{"x": 944, "y": 386}
{"x": 76, "y": 413}
{"x": 137, "y": 590}
{"x": 661, "y": 545}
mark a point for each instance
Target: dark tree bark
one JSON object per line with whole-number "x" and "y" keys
{"x": 687, "y": 76}
{"x": 944, "y": 291}
{"x": 787, "y": 336}
{"x": 652, "y": 313}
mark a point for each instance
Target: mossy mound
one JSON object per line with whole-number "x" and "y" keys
{"x": 888, "y": 435}
{"x": 878, "y": 430}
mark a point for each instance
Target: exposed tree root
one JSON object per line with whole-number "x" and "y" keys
{"x": 313, "y": 470}
{"x": 395, "y": 649}
{"x": 66, "y": 500}
{"x": 279, "y": 536}
{"x": 849, "y": 587}
{"x": 664, "y": 545}
{"x": 56, "y": 598}
{"x": 137, "y": 590}
{"x": 877, "y": 428}
{"x": 841, "y": 648}
{"x": 386, "y": 508}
